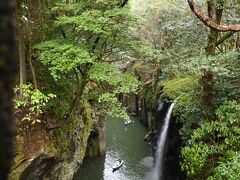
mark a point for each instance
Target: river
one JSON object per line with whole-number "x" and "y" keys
{"x": 126, "y": 143}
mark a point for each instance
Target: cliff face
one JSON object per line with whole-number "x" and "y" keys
{"x": 151, "y": 110}
{"x": 153, "y": 118}
{"x": 96, "y": 145}
{"x": 53, "y": 153}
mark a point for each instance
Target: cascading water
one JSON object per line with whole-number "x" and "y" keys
{"x": 158, "y": 168}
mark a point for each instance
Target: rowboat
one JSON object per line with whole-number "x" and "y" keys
{"x": 117, "y": 165}
{"x": 127, "y": 122}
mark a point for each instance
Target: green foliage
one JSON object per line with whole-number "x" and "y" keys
{"x": 188, "y": 113}
{"x": 112, "y": 106}
{"x": 95, "y": 19}
{"x": 150, "y": 95}
{"x": 64, "y": 137}
{"x": 99, "y": 37}
{"x": 214, "y": 144}
{"x": 32, "y": 102}
{"x": 123, "y": 82}
{"x": 223, "y": 64}
{"x": 117, "y": 82}
{"x": 175, "y": 87}
{"x": 97, "y": 34}
{"x": 228, "y": 169}
{"x": 62, "y": 56}
{"x": 171, "y": 28}
{"x": 98, "y": 21}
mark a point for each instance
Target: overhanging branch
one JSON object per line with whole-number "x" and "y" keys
{"x": 198, "y": 11}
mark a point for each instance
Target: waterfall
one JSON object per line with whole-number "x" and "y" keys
{"x": 159, "y": 154}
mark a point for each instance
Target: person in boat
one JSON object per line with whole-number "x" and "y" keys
{"x": 120, "y": 161}
{"x": 118, "y": 165}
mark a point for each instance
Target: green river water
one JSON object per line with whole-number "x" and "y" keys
{"x": 126, "y": 143}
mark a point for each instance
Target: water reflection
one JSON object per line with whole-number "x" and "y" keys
{"x": 126, "y": 143}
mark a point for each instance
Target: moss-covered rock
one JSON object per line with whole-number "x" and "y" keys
{"x": 175, "y": 87}
{"x": 74, "y": 135}
{"x": 28, "y": 147}
{"x": 53, "y": 154}
{"x": 96, "y": 141}
{"x": 40, "y": 168}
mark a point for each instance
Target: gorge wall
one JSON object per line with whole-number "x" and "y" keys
{"x": 56, "y": 151}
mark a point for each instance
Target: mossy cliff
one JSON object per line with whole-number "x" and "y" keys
{"x": 53, "y": 154}
{"x": 156, "y": 88}
{"x": 144, "y": 104}
{"x": 97, "y": 141}
{"x": 152, "y": 102}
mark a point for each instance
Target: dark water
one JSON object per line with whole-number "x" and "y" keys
{"x": 126, "y": 143}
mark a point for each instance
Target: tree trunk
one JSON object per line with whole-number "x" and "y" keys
{"x": 22, "y": 58}
{"x": 31, "y": 65}
{"x": 21, "y": 46}
{"x": 30, "y": 47}
{"x": 238, "y": 45}
{"x": 213, "y": 20}
{"x": 215, "y": 13}
{"x": 8, "y": 69}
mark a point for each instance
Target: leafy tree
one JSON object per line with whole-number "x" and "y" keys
{"x": 210, "y": 149}
{"x": 192, "y": 50}
{"x": 96, "y": 36}
{"x": 31, "y": 104}
{"x": 214, "y": 144}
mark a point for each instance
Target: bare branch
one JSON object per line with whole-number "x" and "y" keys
{"x": 198, "y": 11}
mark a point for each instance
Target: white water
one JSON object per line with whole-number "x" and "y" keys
{"x": 159, "y": 154}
